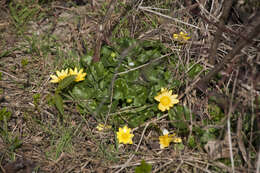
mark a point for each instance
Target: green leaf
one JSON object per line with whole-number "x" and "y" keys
{"x": 100, "y": 94}
{"x": 98, "y": 70}
{"x": 198, "y": 131}
{"x": 148, "y": 55}
{"x": 108, "y": 57}
{"x": 15, "y": 143}
{"x": 92, "y": 105}
{"x": 86, "y": 60}
{"x": 138, "y": 119}
{"x": 176, "y": 84}
{"x": 59, "y": 103}
{"x": 178, "y": 121}
{"x": 65, "y": 83}
{"x": 133, "y": 76}
{"x": 7, "y": 52}
{"x": 106, "y": 51}
{"x": 180, "y": 115}
{"x": 161, "y": 84}
{"x": 141, "y": 95}
{"x": 195, "y": 70}
{"x": 83, "y": 92}
{"x": 120, "y": 89}
{"x": 140, "y": 99}
{"x": 142, "y": 58}
{"x": 125, "y": 43}
{"x": 191, "y": 142}
{"x": 215, "y": 112}
{"x": 143, "y": 168}
{"x": 150, "y": 74}
{"x": 4, "y": 114}
{"x": 207, "y": 136}
{"x": 179, "y": 147}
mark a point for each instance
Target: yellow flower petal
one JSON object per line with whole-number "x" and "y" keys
{"x": 80, "y": 76}
{"x": 175, "y": 36}
{"x": 165, "y": 141}
{"x": 60, "y": 75}
{"x": 181, "y": 37}
{"x": 167, "y": 138}
{"x": 177, "y": 140}
{"x": 102, "y": 127}
{"x": 55, "y": 79}
{"x": 166, "y": 99}
{"x": 161, "y": 107}
{"x": 113, "y": 54}
{"x": 124, "y": 136}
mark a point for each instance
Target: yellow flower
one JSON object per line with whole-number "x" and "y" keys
{"x": 102, "y": 127}
{"x": 166, "y": 99}
{"x": 166, "y": 139}
{"x": 177, "y": 140}
{"x": 60, "y": 76}
{"x": 181, "y": 37}
{"x": 176, "y": 36}
{"x": 79, "y": 75}
{"x": 124, "y": 136}
{"x": 113, "y": 54}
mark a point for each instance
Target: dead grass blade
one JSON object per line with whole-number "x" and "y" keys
{"x": 240, "y": 141}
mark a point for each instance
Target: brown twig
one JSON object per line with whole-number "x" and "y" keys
{"x": 252, "y": 32}
{"x": 258, "y": 163}
{"x": 2, "y": 169}
{"x": 240, "y": 140}
{"x": 213, "y": 50}
{"x": 227, "y": 30}
{"x": 230, "y": 111}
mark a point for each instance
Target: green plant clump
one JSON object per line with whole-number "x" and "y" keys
{"x": 135, "y": 79}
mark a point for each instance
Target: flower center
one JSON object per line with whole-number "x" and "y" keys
{"x": 125, "y": 136}
{"x": 165, "y": 100}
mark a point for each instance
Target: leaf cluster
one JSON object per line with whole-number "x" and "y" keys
{"x": 131, "y": 81}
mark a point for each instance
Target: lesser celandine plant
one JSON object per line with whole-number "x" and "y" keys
{"x": 90, "y": 89}
{"x": 65, "y": 78}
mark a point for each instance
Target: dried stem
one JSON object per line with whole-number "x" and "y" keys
{"x": 213, "y": 50}
{"x": 252, "y": 32}
{"x": 231, "y": 108}
{"x": 101, "y": 31}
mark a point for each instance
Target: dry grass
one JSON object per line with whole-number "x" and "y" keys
{"x": 57, "y": 36}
